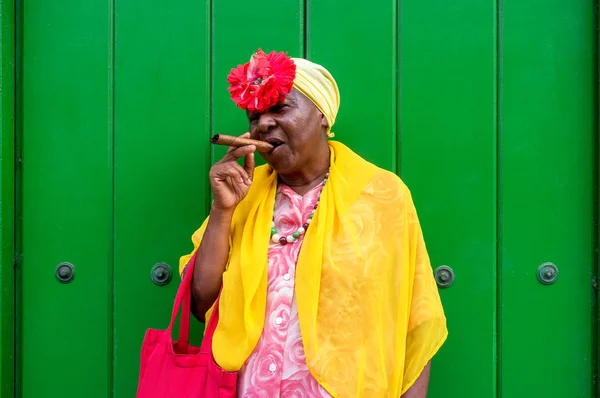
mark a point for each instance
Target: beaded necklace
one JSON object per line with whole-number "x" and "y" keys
{"x": 293, "y": 238}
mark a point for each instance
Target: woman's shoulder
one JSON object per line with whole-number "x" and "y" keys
{"x": 379, "y": 175}
{"x": 390, "y": 180}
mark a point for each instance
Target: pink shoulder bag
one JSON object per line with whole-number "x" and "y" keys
{"x": 176, "y": 369}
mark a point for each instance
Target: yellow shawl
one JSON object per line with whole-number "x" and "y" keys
{"x": 370, "y": 314}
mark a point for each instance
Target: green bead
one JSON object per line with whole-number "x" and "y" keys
{"x": 311, "y": 215}
{"x": 273, "y": 231}
{"x": 296, "y": 235}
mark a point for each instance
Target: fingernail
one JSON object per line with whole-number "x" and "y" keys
{"x": 248, "y": 181}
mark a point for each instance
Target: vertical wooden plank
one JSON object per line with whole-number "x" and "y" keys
{"x": 448, "y": 157}
{"x": 67, "y": 195}
{"x": 162, "y": 94}
{"x": 237, "y": 33}
{"x": 547, "y": 197}
{"x": 366, "y": 121}
{"x": 7, "y": 196}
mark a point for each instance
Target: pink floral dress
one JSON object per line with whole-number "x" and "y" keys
{"x": 277, "y": 367}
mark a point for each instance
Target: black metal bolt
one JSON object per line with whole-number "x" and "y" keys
{"x": 547, "y": 273}
{"x": 65, "y": 272}
{"x": 161, "y": 274}
{"x": 444, "y": 276}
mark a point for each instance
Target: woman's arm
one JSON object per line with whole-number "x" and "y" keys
{"x": 210, "y": 262}
{"x": 419, "y": 388}
{"x": 229, "y": 183}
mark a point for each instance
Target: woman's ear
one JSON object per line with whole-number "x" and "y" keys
{"x": 324, "y": 122}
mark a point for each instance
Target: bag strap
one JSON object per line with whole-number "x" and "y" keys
{"x": 184, "y": 323}
{"x": 211, "y": 326}
{"x": 184, "y": 294}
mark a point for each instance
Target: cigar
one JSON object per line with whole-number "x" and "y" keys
{"x": 229, "y": 140}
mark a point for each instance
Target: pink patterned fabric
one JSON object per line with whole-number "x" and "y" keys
{"x": 277, "y": 367}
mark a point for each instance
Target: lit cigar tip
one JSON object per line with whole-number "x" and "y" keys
{"x": 214, "y": 138}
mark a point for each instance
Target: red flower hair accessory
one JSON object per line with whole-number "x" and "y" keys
{"x": 263, "y": 81}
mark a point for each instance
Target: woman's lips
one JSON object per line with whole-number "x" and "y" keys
{"x": 276, "y": 149}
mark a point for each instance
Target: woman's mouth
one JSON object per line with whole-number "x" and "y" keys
{"x": 276, "y": 143}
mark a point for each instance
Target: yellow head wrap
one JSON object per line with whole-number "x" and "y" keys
{"x": 319, "y": 86}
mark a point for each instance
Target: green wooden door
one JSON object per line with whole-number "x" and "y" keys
{"x": 547, "y": 153}
{"x": 488, "y": 110}
{"x": 7, "y": 195}
{"x": 66, "y": 330}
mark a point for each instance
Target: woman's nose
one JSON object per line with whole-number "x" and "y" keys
{"x": 266, "y": 122}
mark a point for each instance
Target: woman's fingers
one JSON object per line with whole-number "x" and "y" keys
{"x": 249, "y": 165}
{"x": 245, "y": 135}
{"x": 236, "y": 153}
{"x": 233, "y": 171}
{"x": 235, "y": 149}
{"x": 229, "y": 180}
{"x": 243, "y": 174}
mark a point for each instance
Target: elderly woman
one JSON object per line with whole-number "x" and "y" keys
{"x": 316, "y": 259}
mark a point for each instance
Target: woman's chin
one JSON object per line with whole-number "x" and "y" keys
{"x": 278, "y": 159}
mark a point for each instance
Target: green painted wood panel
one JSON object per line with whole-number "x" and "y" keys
{"x": 546, "y": 160}
{"x": 162, "y": 98}
{"x": 7, "y": 196}
{"x": 235, "y": 38}
{"x": 67, "y": 199}
{"x": 366, "y": 121}
{"x": 447, "y": 147}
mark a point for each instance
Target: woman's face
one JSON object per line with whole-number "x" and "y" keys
{"x": 296, "y": 128}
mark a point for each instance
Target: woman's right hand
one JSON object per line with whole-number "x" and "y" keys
{"x": 229, "y": 181}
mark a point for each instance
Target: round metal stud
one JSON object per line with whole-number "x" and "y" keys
{"x": 161, "y": 274}
{"x": 547, "y": 273}
{"x": 65, "y": 272}
{"x": 444, "y": 276}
